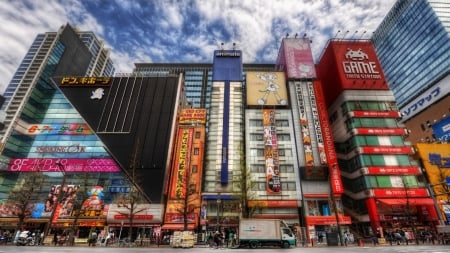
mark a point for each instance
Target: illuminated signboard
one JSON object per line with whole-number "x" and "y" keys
{"x": 84, "y": 81}
{"x": 266, "y": 88}
{"x": 190, "y": 116}
{"x": 63, "y": 129}
{"x": 182, "y": 163}
{"x": 69, "y": 165}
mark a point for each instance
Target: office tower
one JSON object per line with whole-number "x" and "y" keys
{"x": 412, "y": 43}
{"x": 384, "y": 187}
{"x": 46, "y": 134}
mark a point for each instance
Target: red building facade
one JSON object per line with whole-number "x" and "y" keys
{"x": 384, "y": 187}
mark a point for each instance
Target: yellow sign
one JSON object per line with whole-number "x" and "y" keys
{"x": 266, "y": 88}
{"x": 84, "y": 81}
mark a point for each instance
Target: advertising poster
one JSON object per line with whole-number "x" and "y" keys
{"x": 271, "y": 152}
{"x": 266, "y": 88}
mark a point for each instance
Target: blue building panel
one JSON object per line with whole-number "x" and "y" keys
{"x": 227, "y": 65}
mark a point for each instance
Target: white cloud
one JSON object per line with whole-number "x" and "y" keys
{"x": 257, "y": 27}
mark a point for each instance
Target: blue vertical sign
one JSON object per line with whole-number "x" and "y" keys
{"x": 227, "y": 67}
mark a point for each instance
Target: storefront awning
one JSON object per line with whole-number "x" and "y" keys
{"x": 405, "y": 201}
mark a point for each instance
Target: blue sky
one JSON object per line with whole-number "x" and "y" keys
{"x": 185, "y": 31}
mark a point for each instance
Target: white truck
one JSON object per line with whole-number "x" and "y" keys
{"x": 265, "y": 232}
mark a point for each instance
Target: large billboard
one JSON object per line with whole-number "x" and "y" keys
{"x": 266, "y": 88}
{"x": 296, "y": 58}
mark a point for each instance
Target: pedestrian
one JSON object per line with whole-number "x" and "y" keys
{"x": 217, "y": 239}
{"x": 93, "y": 239}
{"x": 231, "y": 239}
{"x": 55, "y": 239}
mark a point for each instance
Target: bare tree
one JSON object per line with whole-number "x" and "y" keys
{"x": 131, "y": 200}
{"x": 23, "y": 197}
{"x": 247, "y": 190}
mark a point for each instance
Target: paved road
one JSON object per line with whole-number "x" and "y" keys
{"x": 370, "y": 249}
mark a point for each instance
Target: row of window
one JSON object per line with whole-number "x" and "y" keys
{"x": 385, "y": 181}
{"x": 368, "y": 140}
{"x": 365, "y": 160}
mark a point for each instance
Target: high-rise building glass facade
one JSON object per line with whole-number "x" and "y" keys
{"x": 413, "y": 45}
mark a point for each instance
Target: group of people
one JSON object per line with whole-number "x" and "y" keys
{"x": 218, "y": 239}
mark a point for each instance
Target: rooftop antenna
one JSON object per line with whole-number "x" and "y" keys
{"x": 234, "y": 46}
{"x": 221, "y": 46}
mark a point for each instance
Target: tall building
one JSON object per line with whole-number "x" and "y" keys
{"x": 412, "y": 43}
{"x": 82, "y": 132}
{"x": 316, "y": 175}
{"x": 384, "y": 187}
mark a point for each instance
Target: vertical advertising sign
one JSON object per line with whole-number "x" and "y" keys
{"x": 335, "y": 175}
{"x": 297, "y": 58}
{"x": 271, "y": 152}
{"x": 182, "y": 163}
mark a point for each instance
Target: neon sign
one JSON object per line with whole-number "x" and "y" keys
{"x": 69, "y": 165}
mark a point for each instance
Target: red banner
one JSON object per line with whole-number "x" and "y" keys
{"x": 400, "y": 193}
{"x": 394, "y": 170}
{"x": 379, "y": 131}
{"x": 385, "y": 150}
{"x": 375, "y": 114}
